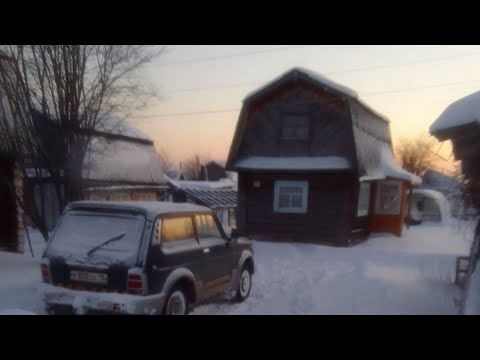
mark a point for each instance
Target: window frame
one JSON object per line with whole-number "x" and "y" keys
{"x": 292, "y": 183}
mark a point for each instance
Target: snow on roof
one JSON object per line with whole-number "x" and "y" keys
{"x": 110, "y": 124}
{"x": 461, "y": 112}
{"x": 438, "y": 181}
{"x": 320, "y": 79}
{"x": 123, "y": 161}
{"x": 439, "y": 199}
{"x": 187, "y": 184}
{"x": 293, "y": 163}
{"x": 390, "y": 169}
{"x": 430, "y": 193}
{"x": 214, "y": 198}
{"x": 152, "y": 208}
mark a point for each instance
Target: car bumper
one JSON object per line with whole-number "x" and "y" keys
{"x": 83, "y": 302}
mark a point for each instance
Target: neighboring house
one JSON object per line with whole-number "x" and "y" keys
{"x": 315, "y": 163}
{"x": 212, "y": 171}
{"x": 121, "y": 164}
{"x": 460, "y": 123}
{"x": 219, "y": 196}
{"x": 435, "y": 180}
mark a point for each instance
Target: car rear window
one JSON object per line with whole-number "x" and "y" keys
{"x": 88, "y": 236}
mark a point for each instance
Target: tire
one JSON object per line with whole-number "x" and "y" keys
{"x": 244, "y": 285}
{"x": 176, "y": 302}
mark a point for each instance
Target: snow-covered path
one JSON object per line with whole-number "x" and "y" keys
{"x": 384, "y": 275}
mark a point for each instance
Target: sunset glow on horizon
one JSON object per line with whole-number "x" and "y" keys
{"x": 202, "y": 87}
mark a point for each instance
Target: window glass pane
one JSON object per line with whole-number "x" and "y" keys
{"x": 363, "y": 199}
{"x": 388, "y": 196}
{"x": 284, "y": 201}
{"x": 206, "y": 227}
{"x": 297, "y": 201}
{"x": 176, "y": 229}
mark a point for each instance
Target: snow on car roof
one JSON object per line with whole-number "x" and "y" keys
{"x": 152, "y": 208}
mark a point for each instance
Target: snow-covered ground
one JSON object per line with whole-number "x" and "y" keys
{"x": 413, "y": 274}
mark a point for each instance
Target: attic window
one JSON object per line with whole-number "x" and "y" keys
{"x": 295, "y": 127}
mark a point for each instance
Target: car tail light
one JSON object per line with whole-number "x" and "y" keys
{"x": 45, "y": 269}
{"x": 136, "y": 282}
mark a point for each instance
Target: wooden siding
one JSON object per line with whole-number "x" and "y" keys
{"x": 330, "y": 126}
{"x": 328, "y": 211}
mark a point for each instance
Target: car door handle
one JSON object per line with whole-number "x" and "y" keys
{"x": 206, "y": 251}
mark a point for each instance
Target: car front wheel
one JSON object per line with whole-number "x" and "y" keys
{"x": 244, "y": 285}
{"x": 176, "y": 303}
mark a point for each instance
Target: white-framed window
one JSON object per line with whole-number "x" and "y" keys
{"x": 363, "y": 199}
{"x": 290, "y": 196}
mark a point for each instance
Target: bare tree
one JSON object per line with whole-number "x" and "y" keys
{"x": 416, "y": 154}
{"x": 193, "y": 166}
{"x": 165, "y": 160}
{"x": 54, "y": 97}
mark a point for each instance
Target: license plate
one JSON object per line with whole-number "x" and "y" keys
{"x": 96, "y": 278}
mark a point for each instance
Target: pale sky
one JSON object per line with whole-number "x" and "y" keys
{"x": 411, "y": 85}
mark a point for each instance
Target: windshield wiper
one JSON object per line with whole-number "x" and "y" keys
{"x": 118, "y": 237}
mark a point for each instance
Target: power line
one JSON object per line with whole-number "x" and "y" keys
{"x": 188, "y": 113}
{"x": 367, "y": 93}
{"x": 421, "y": 61}
{"x": 249, "y": 53}
{"x": 360, "y": 69}
{"x": 420, "y": 87}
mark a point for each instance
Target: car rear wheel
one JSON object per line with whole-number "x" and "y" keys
{"x": 244, "y": 284}
{"x": 176, "y": 303}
